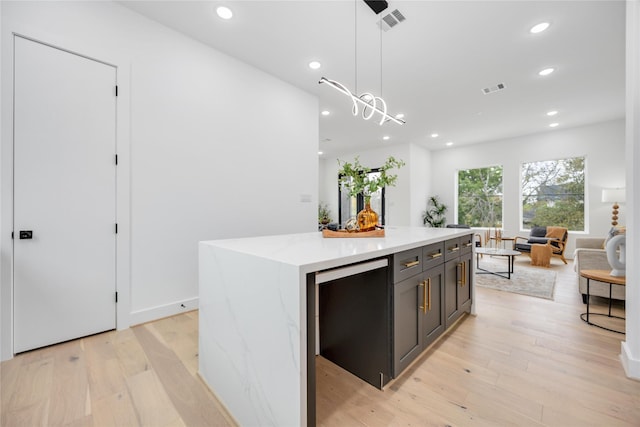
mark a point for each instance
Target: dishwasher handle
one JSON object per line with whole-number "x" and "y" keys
{"x": 339, "y": 273}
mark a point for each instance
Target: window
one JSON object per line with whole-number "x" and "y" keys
{"x": 553, "y": 193}
{"x": 480, "y": 197}
{"x": 350, "y": 206}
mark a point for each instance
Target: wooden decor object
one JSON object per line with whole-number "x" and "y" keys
{"x": 614, "y": 214}
{"x": 353, "y": 234}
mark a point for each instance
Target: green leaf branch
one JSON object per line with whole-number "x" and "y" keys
{"x": 355, "y": 178}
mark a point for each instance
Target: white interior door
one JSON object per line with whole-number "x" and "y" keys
{"x": 64, "y": 195}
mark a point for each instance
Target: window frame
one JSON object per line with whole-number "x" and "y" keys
{"x": 457, "y": 197}
{"x": 586, "y": 207}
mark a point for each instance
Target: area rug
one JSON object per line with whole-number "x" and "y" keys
{"x": 535, "y": 282}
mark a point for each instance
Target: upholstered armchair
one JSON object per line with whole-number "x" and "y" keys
{"x": 555, "y": 237}
{"x": 590, "y": 255}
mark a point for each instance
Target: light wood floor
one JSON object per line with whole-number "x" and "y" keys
{"x": 521, "y": 361}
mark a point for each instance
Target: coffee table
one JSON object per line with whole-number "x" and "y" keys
{"x": 508, "y": 253}
{"x": 605, "y": 277}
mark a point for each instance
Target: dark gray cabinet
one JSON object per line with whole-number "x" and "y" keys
{"x": 458, "y": 278}
{"x": 452, "y": 276}
{"x": 432, "y": 288}
{"x": 418, "y": 303}
{"x": 464, "y": 289}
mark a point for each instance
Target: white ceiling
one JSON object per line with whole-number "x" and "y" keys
{"x": 434, "y": 65}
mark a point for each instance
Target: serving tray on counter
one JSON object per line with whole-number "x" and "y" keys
{"x": 352, "y": 234}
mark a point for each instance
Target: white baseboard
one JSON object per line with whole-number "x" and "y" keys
{"x": 631, "y": 365}
{"x": 155, "y": 313}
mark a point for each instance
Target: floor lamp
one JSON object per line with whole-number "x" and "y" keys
{"x": 615, "y": 196}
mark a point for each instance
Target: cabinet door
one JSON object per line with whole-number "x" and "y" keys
{"x": 432, "y": 305}
{"x": 407, "y": 328}
{"x": 451, "y": 278}
{"x": 464, "y": 285}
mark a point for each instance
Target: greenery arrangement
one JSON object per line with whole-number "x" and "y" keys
{"x": 434, "y": 215}
{"x": 324, "y": 214}
{"x": 356, "y": 179}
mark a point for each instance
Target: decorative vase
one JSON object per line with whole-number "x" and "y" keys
{"x": 616, "y": 254}
{"x": 367, "y": 217}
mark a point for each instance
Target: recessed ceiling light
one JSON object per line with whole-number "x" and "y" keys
{"x": 320, "y": 153}
{"x": 553, "y": 125}
{"x": 434, "y": 135}
{"x": 224, "y": 12}
{"x": 538, "y": 28}
{"x": 325, "y": 113}
{"x": 449, "y": 144}
{"x": 400, "y": 116}
{"x": 314, "y": 65}
{"x": 386, "y": 137}
{"x": 546, "y": 71}
{"x": 552, "y": 113}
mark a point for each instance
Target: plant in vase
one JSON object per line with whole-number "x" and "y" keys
{"x": 435, "y": 213}
{"x": 324, "y": 213}
{"x": 356, "y": 179}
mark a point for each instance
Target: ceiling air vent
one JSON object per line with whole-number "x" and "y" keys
{"x": 491, "y": 89}
{"x": 390, "y": 20}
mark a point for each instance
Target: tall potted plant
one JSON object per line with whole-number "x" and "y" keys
{"x": 434, "y": 215}
{"x": 355, "y": 179}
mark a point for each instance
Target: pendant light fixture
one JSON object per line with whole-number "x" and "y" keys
{"x": 370, "y": 103}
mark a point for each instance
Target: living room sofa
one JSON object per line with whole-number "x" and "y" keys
{"x": 590, "y": 255}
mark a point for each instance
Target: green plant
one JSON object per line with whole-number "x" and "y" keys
{"x": 356, "y": 179}
{"x": 434, "y": 215}
{"x": 324, "y": 213}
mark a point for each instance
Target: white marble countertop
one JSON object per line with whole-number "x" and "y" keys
{"x": 311, "y": 252}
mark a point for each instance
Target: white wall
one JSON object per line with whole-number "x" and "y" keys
{"x": 602, "y": 145}
{"x": 630, "y": 348}
{"x": 405, "y": 201}
{"x": 206, "y": 146}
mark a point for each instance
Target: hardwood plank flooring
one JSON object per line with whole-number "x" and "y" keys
{"x": 521, "y": 361}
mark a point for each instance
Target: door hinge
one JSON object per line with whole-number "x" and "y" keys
{"x": 116, "y": 228}
{"x": 116, "y": 159}
{"x": 116, "y": 297}
{"x": 116, "y": 90}
{"x": 12, "y": 235}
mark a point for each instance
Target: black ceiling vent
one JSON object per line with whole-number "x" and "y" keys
{"x": 495, "y": 88}
{"x": 377, "y": 5}
{"x": 390, "y": 20}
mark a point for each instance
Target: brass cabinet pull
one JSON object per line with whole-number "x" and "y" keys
{"x": 464, "y": 273}
{"x": 423, "y": 307}
{"x": 436, "y": 255}
{"x": 454, "y": 249}
{"x": 466, "y": 245}
{"x": 460, "y": 280}
{"x": 429, "y": 294}
{"x": 411, "y": 263}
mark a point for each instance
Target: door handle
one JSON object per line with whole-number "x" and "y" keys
{"x": 26, "y": 234}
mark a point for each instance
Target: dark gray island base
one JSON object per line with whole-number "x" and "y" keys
{"x": 376, "y": 322}
{"x": 269, "y": 304}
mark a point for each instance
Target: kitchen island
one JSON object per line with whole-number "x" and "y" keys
{"x": 258, "y": 307}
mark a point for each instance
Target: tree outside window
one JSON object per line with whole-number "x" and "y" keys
{"x": 553, "y": 193}
{"x": 480, "y": 197}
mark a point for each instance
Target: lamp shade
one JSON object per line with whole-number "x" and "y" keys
{"x": 613, "y": 195}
